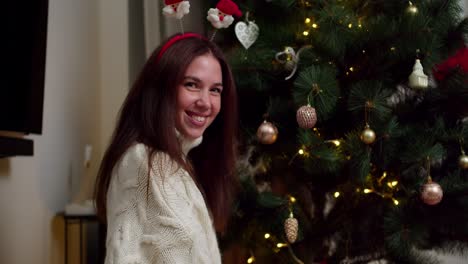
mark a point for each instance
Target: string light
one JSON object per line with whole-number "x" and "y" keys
{"x": 280, "y": 245}
{"x": 305, "y": 33}
{"x": 301, "y": 152}
{"x": 267, "y": 236}
{"x": 392, "y": 184}
{"x": 412, "y": 9}
{"x": 392, "y": 48}
{"x": 350, "y": 25}
{"x": 251, "y": 259}
{"x": 314, "y": 25}
{"x": 367, "y": 190}
{"x": 337, "y": 194}
{"x": 336, "y": 142}
{"x": 292, "y": 199}
{"x": 351, "y": 68}
{"x": 307, "y": 20}
{"x": 395, "y": 201}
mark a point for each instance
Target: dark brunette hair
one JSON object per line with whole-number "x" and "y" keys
{"x": 148, "y": 116}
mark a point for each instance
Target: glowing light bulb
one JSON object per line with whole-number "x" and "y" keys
{"x": 412, "y": 9}
{"x": 251, "y": 259}
{"x": 336, "y": 142}
{"x": 350, "y": 25}
{"x": 307, "y": 20}
{"x": 292, "y": 199}
{"x": 395, "y": 201}
{"x": 301, "y": 152}
{"x": 367, "y": 191}
{"x": 394, "y": 183}
{"x": 305, "y": 33}
{"x": 351, "y": 68}
{"x": 267, "y": 236}
{"x": 337, "y": 194}
{"x": 280, "y": 245}
{"x": 314, "y": 25}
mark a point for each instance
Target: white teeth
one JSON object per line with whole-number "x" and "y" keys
{"x": 199, "y": 118}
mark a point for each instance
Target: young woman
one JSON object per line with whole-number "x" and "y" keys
{"x": 161, "y": 188}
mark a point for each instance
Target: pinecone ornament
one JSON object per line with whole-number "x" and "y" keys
{"x": 291, "y": 226}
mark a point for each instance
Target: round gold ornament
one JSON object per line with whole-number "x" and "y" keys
{"x": 431, "y": 193}
{"x": 463, "y": 161}
{"x": 368, "y": 135}
{"x": 267, "y": 133}
{"x": 291, "y": 226}
{"x": 306, "y": 116}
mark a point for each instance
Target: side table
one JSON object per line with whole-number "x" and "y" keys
{"x": 80, "y": 220}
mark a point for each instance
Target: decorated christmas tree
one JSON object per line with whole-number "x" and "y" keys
{"x": 354, "y": 130}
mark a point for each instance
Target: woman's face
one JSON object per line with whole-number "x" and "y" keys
{"x": 199, "y": 96}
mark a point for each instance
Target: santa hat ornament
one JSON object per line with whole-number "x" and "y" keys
{"x": 176, "y": 8}
{"x": 221, "y": 16}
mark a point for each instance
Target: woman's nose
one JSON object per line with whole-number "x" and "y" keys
{"x": 203, "y": 99}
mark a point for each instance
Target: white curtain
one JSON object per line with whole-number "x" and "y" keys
{"x": 158, "y": 27}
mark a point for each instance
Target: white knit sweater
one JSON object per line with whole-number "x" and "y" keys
{"x": 170, "y": 225}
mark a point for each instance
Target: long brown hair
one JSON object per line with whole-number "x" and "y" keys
{"x": 148, "y": 116}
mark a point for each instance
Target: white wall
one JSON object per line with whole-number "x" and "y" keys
{"x": 33, "y": 189}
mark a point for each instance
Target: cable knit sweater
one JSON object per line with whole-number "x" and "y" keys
{"x": 170, "y": 225}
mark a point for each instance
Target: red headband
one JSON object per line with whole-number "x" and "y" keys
{"x": 175, "y": 39}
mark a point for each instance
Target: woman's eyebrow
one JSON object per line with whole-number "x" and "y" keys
{"x": 193, "y": 78}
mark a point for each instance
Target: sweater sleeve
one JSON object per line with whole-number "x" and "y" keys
{"x": 144, "y": 225}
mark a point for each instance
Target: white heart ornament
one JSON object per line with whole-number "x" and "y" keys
{"x": 247, "y": 34}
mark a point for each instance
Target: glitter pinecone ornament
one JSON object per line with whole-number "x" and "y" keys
{"x": 291, "y": 226}
{"x": 431, "y": 192}
{"x": 306, "y": 116}
{"x": 267, "y": 133}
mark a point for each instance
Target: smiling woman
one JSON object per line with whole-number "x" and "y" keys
{"x": 163, "y": 202}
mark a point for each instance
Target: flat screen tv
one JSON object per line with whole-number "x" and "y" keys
{"x": 22, "y": 83}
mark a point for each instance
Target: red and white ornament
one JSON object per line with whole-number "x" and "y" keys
{"x": 221, "y": 16}
{"x": 306, "y": 116}
{"x": 176, "y": 8}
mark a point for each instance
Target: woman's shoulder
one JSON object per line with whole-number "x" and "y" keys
{"x": 137, "y": 154}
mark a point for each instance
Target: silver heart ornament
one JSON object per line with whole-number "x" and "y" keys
{"x": 246, "y": 33}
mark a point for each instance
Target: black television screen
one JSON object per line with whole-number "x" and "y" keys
{"x": 22, "y": 88}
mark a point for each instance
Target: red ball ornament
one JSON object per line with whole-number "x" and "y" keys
{"x": 431, "y": 193}
{"x": 306, "y": 116}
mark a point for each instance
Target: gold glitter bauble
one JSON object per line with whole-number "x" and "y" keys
{"x": 267, "y": 133}
{"x": 306, "y": 116}
{"x": 463, "y": 162}
{"x": 368, "y": 135}
{"x": 291, "y": 226}
{"x": 431, "y": 193}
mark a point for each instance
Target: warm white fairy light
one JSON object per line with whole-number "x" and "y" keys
{"x": 336, "y": 194}
{"x": 305, "y": 33}
{"x": 307, "y": 20}
{"x": 301, "y": 152}
{"x": 292, "y": 199}
{"x": 267, "y": 236}
{"x": 280, "y": 245}
{"x": 251, "y": 259}
{"x": 314, "y": 25}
